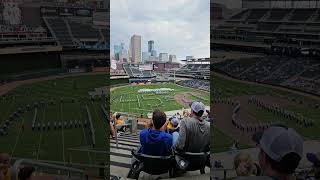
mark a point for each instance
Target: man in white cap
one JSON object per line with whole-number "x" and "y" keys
{"x": 194, "y": 133}
{"x": 281, "y": 150}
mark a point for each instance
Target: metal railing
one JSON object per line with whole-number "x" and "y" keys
{"x": 28, "y": 162}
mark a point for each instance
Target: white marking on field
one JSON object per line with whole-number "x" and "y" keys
{"x": 155, "y": 90}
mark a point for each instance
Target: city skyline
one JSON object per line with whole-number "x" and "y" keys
{"x": 120, "y": 49}
{"x": 182, "y": 30}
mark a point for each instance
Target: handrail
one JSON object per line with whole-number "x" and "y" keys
{"x": 19, "y": 162}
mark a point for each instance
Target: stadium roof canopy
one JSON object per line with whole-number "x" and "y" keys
{"x": 197, "y": 60}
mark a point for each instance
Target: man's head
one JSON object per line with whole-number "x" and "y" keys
{"x": 175, "y": 121}
{"x": 281, "y": 150}
{"x": 118, "y": 115}
{"x": 197, "y": 108}
{"x": 4, "y": 161}
{"x": 159, "y": 118}
{"x": 25, "y": 173}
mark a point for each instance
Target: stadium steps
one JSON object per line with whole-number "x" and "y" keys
{"x": 289, "y": 15}
{"x": 314, "y": 16}
{"x": 69, "y": 28}
{"x": 120, "y": 160}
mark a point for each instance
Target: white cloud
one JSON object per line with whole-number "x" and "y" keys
{"x": 178, "y": 27}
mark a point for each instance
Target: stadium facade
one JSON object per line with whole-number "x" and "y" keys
{"x": 50, "y": 38}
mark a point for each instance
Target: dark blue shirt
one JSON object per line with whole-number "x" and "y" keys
{"x": 155, "y": 143}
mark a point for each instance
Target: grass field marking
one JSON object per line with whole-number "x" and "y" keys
{"x": 97, "y": 115}
{"x": 84, "y": 133}
{"x": 41, "y": 130}
{"x": 139, "y": 105}
{"x": 7, "y": 112}
{"x": 62, "y": 127}
{"x": 17, "y": 139}
{"x": 93, "y": 137}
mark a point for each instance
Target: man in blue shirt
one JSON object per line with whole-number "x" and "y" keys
{"x": 154, "y": 140}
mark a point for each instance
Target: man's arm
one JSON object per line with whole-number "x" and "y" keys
{"x": 180, "y": 144}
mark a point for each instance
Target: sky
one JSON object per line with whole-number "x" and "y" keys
{"x": 180, "y": 27}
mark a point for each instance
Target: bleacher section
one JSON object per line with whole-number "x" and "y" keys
{"x": 201, "y": 71}
{"x": 68, "y": 31}
{"x": 198, "y": 84}
{"x": 277, "y": 14}
{"x": 297, "y": 73}
{"x": 60, "y": 30}
{"x": 262, "y": 26}
{"x": 134, "y": 71}
{"x": 301, "y": 14}
{"x": 80, "y": 30}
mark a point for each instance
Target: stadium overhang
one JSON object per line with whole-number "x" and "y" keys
{"x": 29, "y": 49}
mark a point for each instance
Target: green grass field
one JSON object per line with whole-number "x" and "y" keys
{"x": 227, "y": 88}
{"x": 125, "y": 99}
{"x": 53, "y": 144}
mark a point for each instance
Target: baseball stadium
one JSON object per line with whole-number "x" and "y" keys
{"x": 54, "y": 87}
{"x": 265, "y": 72}
{"x": 170, "y": 87}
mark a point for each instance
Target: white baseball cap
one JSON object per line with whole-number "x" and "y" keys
{"x": 279, "y": 141}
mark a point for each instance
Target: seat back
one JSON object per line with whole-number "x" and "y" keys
{"x": 195, "y": 161}
{"x": 155, "y": 165}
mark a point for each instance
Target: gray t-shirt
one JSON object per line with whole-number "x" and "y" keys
{"x": 253, "y": 178}
{"x": 194, "y": 136}
{"x": 261, "y": 178}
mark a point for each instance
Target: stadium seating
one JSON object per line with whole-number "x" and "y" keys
{"x": 60, "y": 29}
{"x": 267, "y": 27}
{"x": 134, "y": 71}
{"x": 277, "y": 14}
{"x": 256, "y": 14}
{"x": 256, "y": 25}
{"x": 199, "y": 84}
{"x": 301, "y": 14}
{"x": 298, "y": 73}
{"x": 80, "y": 30}
{"x": 239, "y": 16}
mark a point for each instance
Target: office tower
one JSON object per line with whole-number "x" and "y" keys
{"x": 135, "y": 49}
{"x": 163, "y": 57}
{"x": 150, "y": 46}
{"x": 145, "y": 57}
{"x": 172, "y": 58}
{"x": 154, "y": 53}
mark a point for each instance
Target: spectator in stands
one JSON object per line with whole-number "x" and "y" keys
{"x": 244, "y": 165}
{"x": 155, "y": 141}
{"x": 118, "y": 119}
{"x": 5, "y": 169}
{"x": 173, "y": 128}
{"x": 26, "y": 173}
{"x": 280, "y": 153}
{"x": 314, "y": 158}
{"x": 185, "y": 113}
{"x": 194, "y": 132}
{"x": 112, "y": 130}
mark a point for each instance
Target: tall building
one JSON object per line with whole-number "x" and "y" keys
{"x": 145, "y": 57}
{"x": 135, "y": 49}
{"x": 150, "y": 46}
{"x": 163, "y": 57}
{"x": 119, "y": 52}
{"x": 172, "y": 58}
{"x": 154, "y": 53}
